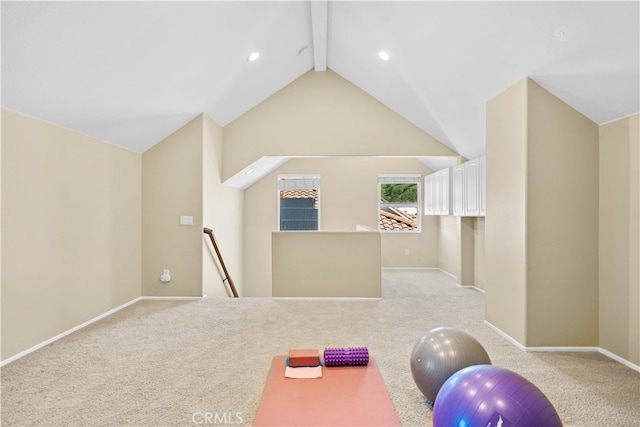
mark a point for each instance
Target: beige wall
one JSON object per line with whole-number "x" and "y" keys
{"x": 322, "y": 114}
{"x": 453, "y": 251}
{"x": 71, "y": 209}
{"x": 619, "y": 239}
{"x": 222, "y": 212}
{"x": 326, "y": 264}
{"x": 634, "y": 245}
{"x": 541, "y": 228}
{"x": 348, "y": 197}
{"x": 447, "y": 227}
{"x": 172, "y": 186}
{"x": 181, "y": 176}
{"x": 505, "y": 222}
{"x": 465, "y": 230}
{"x": 562, "y": 223}
{"x": 478, "y": 253}
{"x": 461, "y": 247}
{"x": 423, "y": 251}
{"x": 1, "y": 118}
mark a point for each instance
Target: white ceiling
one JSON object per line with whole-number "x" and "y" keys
{"x": 131, "y": 73}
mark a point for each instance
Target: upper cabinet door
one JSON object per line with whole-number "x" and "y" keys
{"x": 468, "y": 184}
{"x": 437, "y": 193}
{"x": 472, "y": 187}
{"x": 483, "y": 185}
{"x": 445, "y": 191}
{"x": 458, "y": 190}
{"x": 429, "y": 195}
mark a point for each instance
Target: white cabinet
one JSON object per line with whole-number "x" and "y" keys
{"x": 483, "y": 185}
{"x": 429, "y": 195}
{"x": 458, "y": 190}
{"x": 469, "y": 188}
{"x": 437, "y": 193}
{"x": 472, "y": 188}
{"x": 444, "y": 184}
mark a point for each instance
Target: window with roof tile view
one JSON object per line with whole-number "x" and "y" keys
{"x": 299, "y": 203}
{"x": 399, "y": 203}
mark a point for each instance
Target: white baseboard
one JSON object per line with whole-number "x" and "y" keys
{"x": 475, "y": 288}
{"x": 564, "y": 349}
{"x": 619, "y": 359}
{"x": 152, "y": 298}
{"x": 453, "y": 276}
{"x": 87, "y": 323}
{"x": 67, "y": 332}
{"x": 505, "y": 336}
{"x": 554, "y": 349}
{"x": 330, "y": 298}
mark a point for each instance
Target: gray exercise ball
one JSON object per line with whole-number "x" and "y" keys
{"x": 440, "y": 353}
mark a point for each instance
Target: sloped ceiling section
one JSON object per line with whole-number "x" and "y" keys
{"x": 447, "y": 59}
{"x": 131, "y": 73}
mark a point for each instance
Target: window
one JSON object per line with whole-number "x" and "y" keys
{"x": 299, "y": 202}
{"x": 399, "y": 203}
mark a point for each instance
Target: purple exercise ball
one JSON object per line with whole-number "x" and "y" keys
{"x": 487, "y": 395}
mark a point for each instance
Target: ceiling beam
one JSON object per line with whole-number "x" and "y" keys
{"x": 319, "y": 29}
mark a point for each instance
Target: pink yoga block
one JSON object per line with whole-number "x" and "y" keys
{"x": 304, "y": 357}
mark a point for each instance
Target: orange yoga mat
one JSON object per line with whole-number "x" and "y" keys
{"x": 344, "y": 396}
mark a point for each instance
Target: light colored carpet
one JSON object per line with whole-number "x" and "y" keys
{"x": 174, "y": 363}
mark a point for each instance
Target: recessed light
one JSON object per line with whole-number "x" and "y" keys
{"x": 248, "y": 172}
{"x": 383, "y": 55}
{"x": 253, "y": 56}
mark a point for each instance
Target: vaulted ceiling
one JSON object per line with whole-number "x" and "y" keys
{"x": 131, "y": 73}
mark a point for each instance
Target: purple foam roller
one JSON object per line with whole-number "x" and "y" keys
{"x": 346, "y": 356}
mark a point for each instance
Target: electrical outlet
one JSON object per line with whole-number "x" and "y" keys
{"x": 406, "y": 252}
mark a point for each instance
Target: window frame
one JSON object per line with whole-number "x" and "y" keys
{"x": 401, "y": 179}
{"x": 301, "y": 182}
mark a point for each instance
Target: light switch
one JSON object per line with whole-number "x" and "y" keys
{"x": 186, "y": 220}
